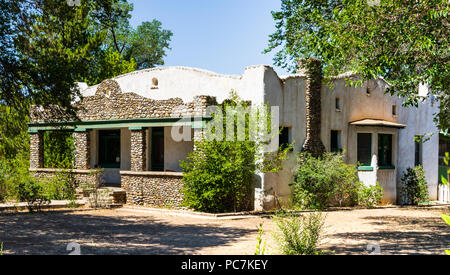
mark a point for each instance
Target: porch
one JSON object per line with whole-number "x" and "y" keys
{"x": 143, "y": 160}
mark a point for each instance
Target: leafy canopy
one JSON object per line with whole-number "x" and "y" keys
{"x": 406, "y": 42}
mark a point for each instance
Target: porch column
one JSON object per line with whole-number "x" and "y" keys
{"x": 37, "y": 150}
{"x": 82, "y": 142}
{"x": 138, "y": 149}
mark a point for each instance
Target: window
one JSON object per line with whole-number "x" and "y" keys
{"x": 364, "y": 150}
{"x": 384, "y": 150}
{"x": 418, "y": 151}
{"x": 335, "y": 144}
{"x": 338, "y": 104}
{"x": 394, "y": 110}
{"x": 283, "y": 138}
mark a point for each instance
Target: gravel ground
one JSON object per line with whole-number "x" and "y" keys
{"x": 394, "y": 230}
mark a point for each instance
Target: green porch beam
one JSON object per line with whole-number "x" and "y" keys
{"x": 124, "y": 123}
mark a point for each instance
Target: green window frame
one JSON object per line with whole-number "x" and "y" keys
{"x": 335, "y": 141}
{"x": 385, "y": 151}
{"x": 364, "y": 148}
{"x": 109, "y": 149}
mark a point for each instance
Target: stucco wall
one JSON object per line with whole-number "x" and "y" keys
{"x": 175, "y": 151}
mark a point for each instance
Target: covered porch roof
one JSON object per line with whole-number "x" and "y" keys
{"x": 377, "y": 122}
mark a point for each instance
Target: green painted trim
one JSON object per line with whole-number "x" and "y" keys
{"x": 386, "y": 167}
{"x": 135, "y": 128}
{"x": 124, "y": 123}
{"x": 33, "y": 131}
{"x": 80, "y": 130}
{"x": 365, "y": 168}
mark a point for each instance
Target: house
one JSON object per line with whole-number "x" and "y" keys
{"x": 126, "y": 126}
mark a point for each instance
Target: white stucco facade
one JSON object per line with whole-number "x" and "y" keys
{"x": 260, "y": 84}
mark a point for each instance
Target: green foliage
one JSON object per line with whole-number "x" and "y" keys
{"x": 319, "y": 181}
{"x": 446, "y": 218}
{"x": 32, "y": 191}
{"x": 58, "y": 149}
{"x": 218, "y": 176}
{"x": 370, "y": 196}
{"x": 148, "y": 44}
{"x": 219, "y": 173}
{"x": 299, "y": 235}
{"x": 444, "y": 180}
{"x": 260, "y": 246}
{"x": 414, "y": 188}
{"x": 406, "y": 42}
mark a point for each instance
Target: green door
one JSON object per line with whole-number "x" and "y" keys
{"x": 109, "y": 149}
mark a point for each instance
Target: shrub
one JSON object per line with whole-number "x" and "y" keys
{"x": 370, "y": 196}
{"x": 218, "y": 176}
{"x": 31, "y": 190}
{"x": 320, "y": 181}
{"x": 414, "y": 188}
{"x": 299, "y": 235}
{"x": 60, "y": 187}
{"x": 219, "y": 173}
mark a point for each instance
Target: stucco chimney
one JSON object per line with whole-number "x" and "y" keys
{"x": 312, "y": 69}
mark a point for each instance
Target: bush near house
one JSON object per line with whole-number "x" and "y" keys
{"x": 219, "y": 174}
{"x": 328, "y": 181}
{"x": 370, "y": 196}
{"x": 321, "y": 182}
{"x": 414, "y": 188}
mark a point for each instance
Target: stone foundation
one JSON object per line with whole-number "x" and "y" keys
{"x": 156, "y": 189}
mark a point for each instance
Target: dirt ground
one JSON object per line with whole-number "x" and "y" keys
{"x": 394, "y": 230}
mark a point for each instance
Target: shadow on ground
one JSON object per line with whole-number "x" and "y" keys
{"x": 49, "y": 233}
{"x": 430, "y": 235}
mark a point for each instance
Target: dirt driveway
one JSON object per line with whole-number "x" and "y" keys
{"x": 394, "y": 230}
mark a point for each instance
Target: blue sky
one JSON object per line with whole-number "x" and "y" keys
{"x": 223, "y": 36}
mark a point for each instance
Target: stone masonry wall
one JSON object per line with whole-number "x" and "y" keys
{"x": 312, "y": 68}
{"x": 109, "y": 103}
{"x": 36, "y": 150}
{"x": 153, "y": 188}
{"x": 82, "y": 150}
{"x": 138, "y": 153}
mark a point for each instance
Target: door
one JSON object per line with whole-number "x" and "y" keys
{"x": 157, "y": 149}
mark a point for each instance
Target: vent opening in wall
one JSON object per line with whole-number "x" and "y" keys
{"x": 338, "y": 104}
{"x": 394, "y": 110}
{"x": 155, "y": 83}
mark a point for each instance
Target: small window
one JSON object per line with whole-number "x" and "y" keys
{"x": 364, "y": 151}
{"x": 394, "y": 110}
{"x": 368, "y": 91}
{"x": 335, "y": 145}
{"x": 338, "y": 104}
{"x": 283, "y": 138}
{"x": 418, "y": 150}
{"x": 384, "y": 150}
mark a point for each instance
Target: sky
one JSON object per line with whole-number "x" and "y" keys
{"x": 223, "y": 36}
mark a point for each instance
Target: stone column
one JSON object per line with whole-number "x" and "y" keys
{"x": 82, "y": 140}
{"x": 138, "y": 149}
{"x": 312, "y": 68}
{"x": 37, "y": 150}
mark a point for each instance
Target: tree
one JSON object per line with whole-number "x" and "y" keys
{"x": 404, "y": 41}
{"x": 219, "y": 173}
{"x": 148, "y": 44}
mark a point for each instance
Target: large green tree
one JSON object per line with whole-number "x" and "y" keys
{"x": 405, "y": 41}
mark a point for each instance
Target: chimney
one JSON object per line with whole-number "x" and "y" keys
{"x": 312, "y": 68}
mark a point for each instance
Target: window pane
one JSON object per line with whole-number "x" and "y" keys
{"x": 417, "y": 153}
{"x": 335, "y": 145}
{"x": 384, "y": 150}
{"x": 364, "y": 148}
{"x": 283, "y": 138}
